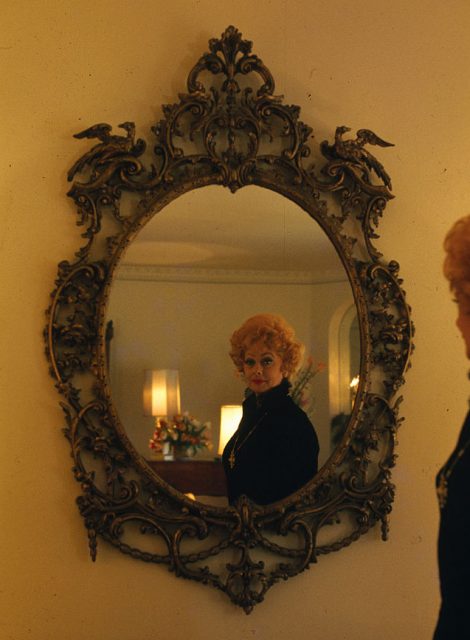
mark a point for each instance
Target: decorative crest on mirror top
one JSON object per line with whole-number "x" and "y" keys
{"x": 235, "y": 132}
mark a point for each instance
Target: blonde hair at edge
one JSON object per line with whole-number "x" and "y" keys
{"x": 457, "y": 260}
{"x": 276, "y": 334}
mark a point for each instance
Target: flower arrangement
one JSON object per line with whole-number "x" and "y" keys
{"x": 183, "y": 433}
{"x": 301, "y": 383}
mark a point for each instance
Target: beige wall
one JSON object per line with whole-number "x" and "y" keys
{"x": 399, "y": 68}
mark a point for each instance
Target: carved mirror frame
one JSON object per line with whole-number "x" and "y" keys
{"x": 235, "y": 133}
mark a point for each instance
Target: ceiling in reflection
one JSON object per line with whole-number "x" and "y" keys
{"x": 254, "y": 229}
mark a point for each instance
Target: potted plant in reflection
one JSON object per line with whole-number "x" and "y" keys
{"x": 182, "y": 436}
{"x": 300, "y": 389}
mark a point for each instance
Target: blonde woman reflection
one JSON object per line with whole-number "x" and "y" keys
{"x": 453, "y": 480}
{"x": 274, "y": 451}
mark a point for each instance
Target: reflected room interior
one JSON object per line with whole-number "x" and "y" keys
{"x": 197, "y": 269}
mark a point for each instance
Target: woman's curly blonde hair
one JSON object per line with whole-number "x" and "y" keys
{"x": 276, "y": 333}
{"x": 457, "y": 260}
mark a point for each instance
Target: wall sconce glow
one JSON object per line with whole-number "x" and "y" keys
{"x": 161, "y": 392}
{"x": 353, "y": 385}
{"x": 354, "y": 382}
{"x": 230, "y": 416}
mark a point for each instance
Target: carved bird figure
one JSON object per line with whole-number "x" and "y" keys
{"x": 109, "y": 147}
{"x": 354, "y": 151}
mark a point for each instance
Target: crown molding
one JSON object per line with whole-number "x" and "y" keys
{"x": 146, "y": 272}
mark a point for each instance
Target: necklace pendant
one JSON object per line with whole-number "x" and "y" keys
{"x": 231, "y": 459}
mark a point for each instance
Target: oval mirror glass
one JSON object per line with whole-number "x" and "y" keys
{"x": 195, "y": 272}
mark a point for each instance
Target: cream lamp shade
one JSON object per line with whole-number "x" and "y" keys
{"x": 230, "y": 416}
{"x": 161, "y": 392}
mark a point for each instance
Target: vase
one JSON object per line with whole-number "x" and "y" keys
{"x": 180, "y": 452}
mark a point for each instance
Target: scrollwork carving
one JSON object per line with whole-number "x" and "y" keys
{"x": 234, "y": 133}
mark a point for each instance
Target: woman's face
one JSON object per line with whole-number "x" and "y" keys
{"x": 463, "y": 320}
{"x": 262, "y": 367}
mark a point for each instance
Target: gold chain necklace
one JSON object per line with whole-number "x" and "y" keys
{"x": 442, "y": 488}
{"x": 231, "y": 457}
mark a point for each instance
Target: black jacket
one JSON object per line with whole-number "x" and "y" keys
{"x": 276, "y": 448}
{"x": 454, "y": 544}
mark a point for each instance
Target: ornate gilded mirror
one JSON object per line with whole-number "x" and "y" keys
{"x": 148, "y": 215}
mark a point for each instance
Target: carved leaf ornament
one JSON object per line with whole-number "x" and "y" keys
{"x": 233, "y": 133}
